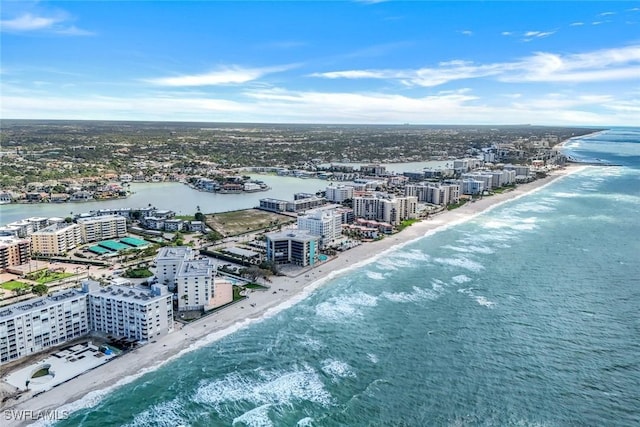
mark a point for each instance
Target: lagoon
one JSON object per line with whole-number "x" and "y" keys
{"x": 174, "y": 196}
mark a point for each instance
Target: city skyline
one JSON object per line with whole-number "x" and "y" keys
{"x": 543, "y": 63}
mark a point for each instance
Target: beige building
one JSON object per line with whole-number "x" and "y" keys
{"x": 14, "y": 251}
{"x": 98, "y": 228}
{"x": 385, "y": 208}
{"x": 56, "y": 239}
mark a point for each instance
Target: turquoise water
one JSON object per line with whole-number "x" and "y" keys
{"x": 323, "y": 257}
{"x": 526, "y": 315}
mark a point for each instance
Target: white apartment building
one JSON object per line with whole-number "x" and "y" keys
{"x": 485, "y": 177}
{"x": 168, "y": 262}
{"x": 96, "y": 228}
{"x": 338, "y": 193}
{"x": 127, "y": 311}
{"x": 56, "y": 239}
{"x": 434, "y": 193}
{"x": 385, "y": 208}
{"x": 327, "y": 224}
{"x": 35, "y": 325}
{"x": 195, "y": 285}
{"x": 472, "y": 186}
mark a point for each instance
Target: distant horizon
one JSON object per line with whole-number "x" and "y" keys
{"x": 339, "y": 62}
{"x": 498, "y": 125}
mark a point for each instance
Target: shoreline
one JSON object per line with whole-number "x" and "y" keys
{"x": 89, "y": 388}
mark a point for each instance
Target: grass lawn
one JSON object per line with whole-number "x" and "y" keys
{"x": 48, "y": 277}
{"x": 137, "y": 273}
{"x": 244, "y": 221}
{"x": 14, "y": 284}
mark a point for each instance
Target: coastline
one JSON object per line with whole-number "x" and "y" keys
{"x": 87, "y": 389}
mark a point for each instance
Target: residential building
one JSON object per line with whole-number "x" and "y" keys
{"x": 274, "y": 205}
{"x": 14, "y": 251}
{"x": 35, "y": 325}
{"x": 471, "y": 186}
{"x": 173, "y": 225}
{"x": 305, "y": 204}
{"x": 56, "y": 239}
{"x": 96, "y": 228}
{"x": 338, "y": 193}
{"x": 194, "y": 281}
{"x": 385, "y": 208}
{"x": 327, "y": 224}
{"x": 168, "y": 262}
{"x": 434, "y": 193}
{"x": 126, "y": 311}
{"x": 298, "y": 247}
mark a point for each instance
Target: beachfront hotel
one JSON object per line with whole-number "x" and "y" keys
{"x": 123, "y": 311}
{"x": 298, "y": 247}
{"x": 127, "y": 311}
{"x": 56, "y": 239}
{"x": 97, "y": 228}
{"x": 13, "y": 251}
{"x": 169, "y": 261}
{"x": 35, "y": 325}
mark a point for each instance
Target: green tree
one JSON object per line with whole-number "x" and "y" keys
{"x": 40, "y": 289}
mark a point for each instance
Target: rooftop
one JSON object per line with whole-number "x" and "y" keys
{"x": 196, "y": 268}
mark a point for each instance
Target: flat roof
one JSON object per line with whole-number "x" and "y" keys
{"x": 196, "y": 268}
{"x": 242, "y": 252}
{"x": 38, "y": 303}
{"x": 174, "y": 252}
{"x": 99, "y": 250}
{"x": 292, "y": 234}
{"x": 113, "y": 245}
{"x": 133, "y": 241}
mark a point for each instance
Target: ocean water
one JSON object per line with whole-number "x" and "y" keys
{"x": 526, "y": 315}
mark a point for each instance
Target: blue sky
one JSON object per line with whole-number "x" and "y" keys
{"x": 494, "y": 62}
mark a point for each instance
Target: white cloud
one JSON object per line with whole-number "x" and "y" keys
{"x": 532, "y": 35}
{"x": 52, "y": 24}
{"x": 606, "y": 14}
{"x": 466, "y": 32}
{"x": 224, "y": 76}
{"x": 284, "y": 106}
{"x": 576, "y": 24}
{"x": 601, "y": 65}
{"x": 29, "y": 22}
{"x": 506, "y": 33}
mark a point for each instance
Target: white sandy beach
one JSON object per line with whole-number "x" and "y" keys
{"x": 86, "y": 389}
